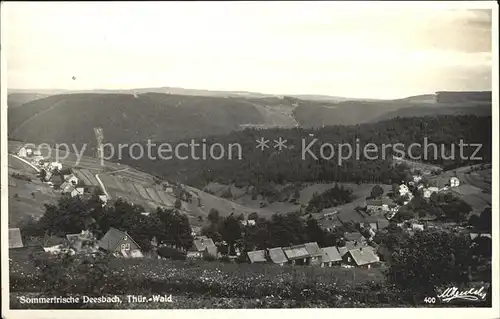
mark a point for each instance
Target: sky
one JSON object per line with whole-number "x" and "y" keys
{"x": 324, "y": 48}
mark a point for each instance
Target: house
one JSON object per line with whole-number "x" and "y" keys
{"x": 403, "y": 190}
{"x": 257, "y": 256}
{"x": 361, "y": 257}
{"x": 315, "y": 253}
{"x": 476, "y": 235}
{"x": 37, "y": 153}
{"x": 378, "y": 205}
{"x": 417, "y": 227}
{"x": 79, "y": 191}
{"x": 37, "y": 159}
{"x": 23, "y": 152}
{"x": 15, "y": 239}
{"x": 297, "y": 255}
{"x": 329, "y": 214}
{"x": 202, "y": 247}
{"x": 454, "y": 182}
{"x": 277, "y": 256}
{"x": 195, "y": 231}
{"x": 330, "y": 256}
{"x": 103, "y": 199}
{"x": 429, "y": 191}
{"x": 55, "y": 166}
{"x": 417, "y": 179}
{"x": 71, "y": 178}
{"x": 120, "y": 244}
{"x": 249, "y": 222}
{"x": 82, "y": 243}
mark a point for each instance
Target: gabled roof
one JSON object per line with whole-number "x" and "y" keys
{"x": 363, "y": 256}
{"x": 355, "y": 244}
{"x": 257, "y": 256}
{"x": 277, "y": 255}
{"x": 313, "y": 249}
{"x": 201, "y": 243}
{"x": 296, "y": 252}
{"x": 330, "y": 254}
{"x": 15, "y": 239}
{"x": 343, "y": 250}
{"x": 112, "y": 238}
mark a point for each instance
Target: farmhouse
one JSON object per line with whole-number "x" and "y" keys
{"x": 330, "y": 256}
{"x": 15, "y": 239}
{"x": 120, "y": 244}
{"x": 55, "y": 166}
{"x": 354, "y": 237}
{"x": 297, "y": 255}
{"x": 315, "y": 253}
{"x": 71, "y": 179}
{"x": 23, "y": 152}
{"x": 202, "y": 247}
{"x": 361, "y": 257}
{"x": 277, "y": 256}
{"x": 82, "y": 243}
{"x": 257, "y": 256}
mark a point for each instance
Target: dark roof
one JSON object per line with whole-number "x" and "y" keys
{"x": 330, "y": 254}
{"x": 112, "y": 238}
{"x": 356, "y": 236}
{"x": 363, "y": 256}
{"x": 277, "y": 255}
{"x": 313, "y": 249}
{"x": 15, "y": 239}
{"x": 257, "y": 256}
{"x": 201, "y": 243}
{"x": 296, "y": 252}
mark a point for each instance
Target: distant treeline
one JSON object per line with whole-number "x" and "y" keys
{"x": 258, "y": 167}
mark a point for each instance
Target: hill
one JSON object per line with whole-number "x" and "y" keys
{"x": 18, "y": 99}
{"x": 138, "y": 115}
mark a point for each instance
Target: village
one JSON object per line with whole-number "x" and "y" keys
{"x": 358, "y": 249}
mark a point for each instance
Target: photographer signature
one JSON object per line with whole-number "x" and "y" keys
{"x": 472, "y": 294}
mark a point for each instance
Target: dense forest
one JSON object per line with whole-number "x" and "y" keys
{"x": 292, "y": 164}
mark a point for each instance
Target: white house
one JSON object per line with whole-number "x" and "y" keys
{"x": 23, "y": 152}
{"x": 454, "y": 182}
{"x": 104, "y": 199}
{"x": 417, "y": 178}
{"x": 403, "y": 190}
{"x": 37, "y": 153}
{"x": 56, "y": 165}
{"x": 77, "y": 191}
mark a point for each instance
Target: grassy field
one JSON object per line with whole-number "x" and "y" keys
{"x": 216, "y": 284}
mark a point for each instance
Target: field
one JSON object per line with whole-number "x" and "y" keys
{"x": 26, "y": 198}
{"x": 234, "y": 285}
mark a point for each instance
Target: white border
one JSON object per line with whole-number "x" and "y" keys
{"x": 454, "y": 313}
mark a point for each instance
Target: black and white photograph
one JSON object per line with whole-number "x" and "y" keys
{"x": 249, "y": 155}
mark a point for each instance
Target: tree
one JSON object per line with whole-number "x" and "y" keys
{"x": 377, "y": 191}
{"x": 429, "y": 260}
{"x": 315, "y": 232}
{"x": 230, "y": 230}
{"x": 213, "y": 216}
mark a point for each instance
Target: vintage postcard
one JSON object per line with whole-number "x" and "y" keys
{"x": 309, "y": 158}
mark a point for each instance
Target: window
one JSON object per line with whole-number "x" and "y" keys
{"x": 126, "y": 246}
